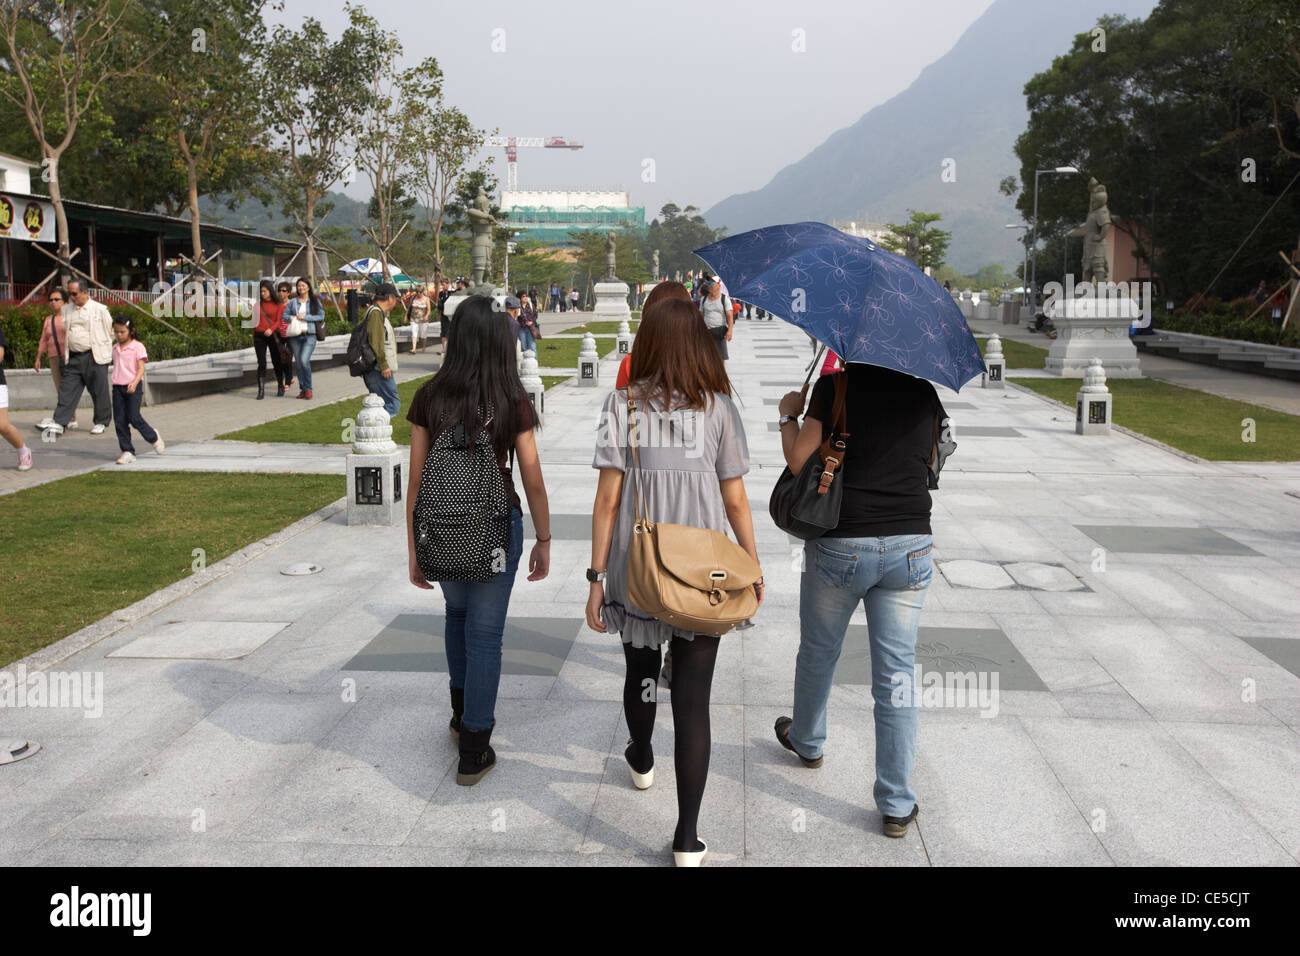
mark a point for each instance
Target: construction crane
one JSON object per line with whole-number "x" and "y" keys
{"x": 512, "y": 144}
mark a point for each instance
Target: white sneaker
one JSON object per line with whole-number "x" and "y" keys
{"x": 46, "y": 423}
{"x": 53, "y": 427}
{"x": 97, "y": 430}
{"x": 73, "y": 424}
{"x": 126, "y": 458}
{"x": 159, "y": 446}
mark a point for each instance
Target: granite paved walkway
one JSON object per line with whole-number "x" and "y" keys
{"x": 1137, "y": 608}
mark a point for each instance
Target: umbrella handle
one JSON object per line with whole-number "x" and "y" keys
{"x": 816, "y": 359}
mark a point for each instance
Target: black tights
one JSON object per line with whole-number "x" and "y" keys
{"x": 692, "y": 679}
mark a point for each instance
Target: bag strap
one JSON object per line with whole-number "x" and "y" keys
{"x": 640, "y": 506}
{"x": 835, "y": 448}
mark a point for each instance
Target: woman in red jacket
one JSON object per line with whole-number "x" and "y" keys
{"x": 268, "y": 311}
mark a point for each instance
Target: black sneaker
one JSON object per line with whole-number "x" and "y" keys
{"x": 783, "y": 736}
{"x": 897, "y": 826}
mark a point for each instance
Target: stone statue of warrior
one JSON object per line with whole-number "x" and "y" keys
{"x": 1095, "y": 230}
{"x": 609, "y": 257}
{"x": 480, "y": 250}
{"x": 654, "y": 266}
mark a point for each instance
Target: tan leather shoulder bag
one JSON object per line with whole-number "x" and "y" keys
{"x": 694, "y": 579}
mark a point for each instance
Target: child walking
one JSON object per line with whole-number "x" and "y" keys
{"x": 128, "y": 371}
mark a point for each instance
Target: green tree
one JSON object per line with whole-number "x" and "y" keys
{"x": 379, "y": 148}
{"x": 213, "y": 88}
{"x": 314, "y": 87}
{"x": 918, "y": 239}
{"x": 676, "y": 233}
{"x": 438, "y": 141}
{"x": 58, "y": 59}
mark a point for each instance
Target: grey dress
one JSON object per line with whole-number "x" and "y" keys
{"x": 684, "y": 454}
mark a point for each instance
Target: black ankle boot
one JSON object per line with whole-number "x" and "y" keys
{"x": 261, "y": 386}
{"x": 476, "y": 756}
{"x": 279, "y": 390}
{"x": 457, "y": 711}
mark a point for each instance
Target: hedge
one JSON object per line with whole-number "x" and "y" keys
{"x": 1226, "y": 322}
{"x": 22, "y": 327}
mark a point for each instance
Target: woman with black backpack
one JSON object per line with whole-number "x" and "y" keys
{"x": 463, "y": 518}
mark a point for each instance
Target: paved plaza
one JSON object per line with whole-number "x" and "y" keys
{"x": 1135, "y": 606}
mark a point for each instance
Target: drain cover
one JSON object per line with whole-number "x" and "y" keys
{"x": 11, "y": 751}
{"x": 303, "y": 568}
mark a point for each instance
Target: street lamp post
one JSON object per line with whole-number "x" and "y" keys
{"x": 1033, "y": 282}
{"x": 1024, "y": 268}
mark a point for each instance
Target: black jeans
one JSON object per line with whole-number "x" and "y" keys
{"x": 260, "y": 345}
{"x": 126, "y": 412}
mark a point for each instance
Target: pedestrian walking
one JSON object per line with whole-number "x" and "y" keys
{"x": 129, "y": 358}
{"x": 269, "y": 312}
{"x": 469, "y": 424}
{"x": 53, "y": 335}
{"x": 87, "y": 357}
{"x": 420, "y": 308}
{"x": 879, "y": 555}
{"x": 300, "y": 318}
{"x": 574, "y": 296}
{"x": 10, "y": 433}
{"x": 379, "y": 332}
{"x": 692, "y": 478}
{"x": 718, "y": 315}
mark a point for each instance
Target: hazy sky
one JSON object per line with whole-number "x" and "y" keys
{"x": 632, "y": 81}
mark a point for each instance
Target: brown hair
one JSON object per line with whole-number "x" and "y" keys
{"x": 675, "y": 357}
{"x": 662, "y": 291}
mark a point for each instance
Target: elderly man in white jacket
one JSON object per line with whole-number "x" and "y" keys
{"x": 88, "y": 358}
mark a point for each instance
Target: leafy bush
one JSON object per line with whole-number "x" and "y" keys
{"x": 22, "y": 327}
{"x": 1228, "y": 321}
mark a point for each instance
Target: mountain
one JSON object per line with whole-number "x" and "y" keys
{"x": 254, "y": 216}
{"x": 968, "y": 106}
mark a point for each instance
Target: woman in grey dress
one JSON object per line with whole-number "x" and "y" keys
{"x": 693, "y": 453}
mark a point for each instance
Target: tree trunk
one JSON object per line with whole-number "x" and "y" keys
{"x": 311, "y": 245}
{"x": 60, "y": 218}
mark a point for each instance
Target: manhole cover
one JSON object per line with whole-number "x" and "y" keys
{"x": 11, "y": 751}
{"x": 303, "y": 568}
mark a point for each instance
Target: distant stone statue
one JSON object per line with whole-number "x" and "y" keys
{"x": 481, "y": 222}
{"x": 609, "y": 257}
{"x": 654, "y": 266}
{"x": 1095, "y": 230}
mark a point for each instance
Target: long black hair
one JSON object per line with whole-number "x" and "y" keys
{"x": 313, "y": 301}
{"x": 478, "y": 372}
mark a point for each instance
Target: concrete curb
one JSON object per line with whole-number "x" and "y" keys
{"x": 110, "y": 624}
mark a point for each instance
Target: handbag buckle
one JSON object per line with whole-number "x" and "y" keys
{"x": 716, "y": 597}
{"x": 717, "y": 575}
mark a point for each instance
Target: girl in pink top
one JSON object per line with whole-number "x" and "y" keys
{"x": 128, "y": 371}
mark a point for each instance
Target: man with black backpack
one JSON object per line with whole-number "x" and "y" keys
{"x": 379, "y": 336}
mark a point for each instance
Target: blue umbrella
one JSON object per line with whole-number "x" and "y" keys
{"x": 866, "y": 303}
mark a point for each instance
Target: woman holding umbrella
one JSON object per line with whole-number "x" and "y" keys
{"x": 897, "y": 331}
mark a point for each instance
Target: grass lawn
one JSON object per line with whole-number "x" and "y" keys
{"x": 550, "y": 380}
{"x": 1195, "y": 422}
{"x": 77, "y": 549}
{"x": 601, "y": 328}
{"x": 324, "y": 424}
{"x": 563, "y": 353}
{"x": 1018, "y": 354}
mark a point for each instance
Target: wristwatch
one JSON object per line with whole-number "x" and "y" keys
{"x": 595, "y": 576}
{"x": 787, "y": 418}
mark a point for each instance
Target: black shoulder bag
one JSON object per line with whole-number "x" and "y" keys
{"x": 807, "y": 505}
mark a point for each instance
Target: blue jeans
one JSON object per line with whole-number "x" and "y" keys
{"x": 302, "y": 346}
{"x": 890, "y": 576}
{"x": 385, "y": 388}
{"x": 526, "y": 340}
{"x": 476, "y": 621}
